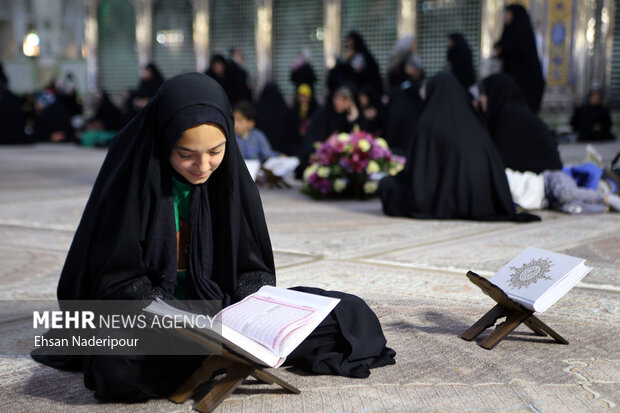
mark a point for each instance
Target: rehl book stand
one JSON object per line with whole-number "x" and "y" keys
{"x": 236, "y": 369}
{"x": 514, "y": 312}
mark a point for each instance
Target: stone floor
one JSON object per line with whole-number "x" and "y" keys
{"x": 411, "y": 272}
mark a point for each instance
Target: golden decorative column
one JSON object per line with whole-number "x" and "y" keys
{"x": 492, "y": 23}
{"x": 91, "y": 44}
{"x": 607, "y": 34}
{"x": 406, "y": 25}
{"x": 331, "y": 41}
{"x": 558, "y": 52}
{"x": 144, "y": 31}
{"x": 264, "y": 13}
{"x": 201, "y": 33}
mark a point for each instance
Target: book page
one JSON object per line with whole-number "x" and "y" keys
{"x": 528, "y": 276}
{"x": 265, "y": 320}
{"x": 272, "y": 314}
{"x": 281, "y": 166}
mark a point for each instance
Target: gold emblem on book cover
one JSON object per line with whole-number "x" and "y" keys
{"x": 530, "y": 273}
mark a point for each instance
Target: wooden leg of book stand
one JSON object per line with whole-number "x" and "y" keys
{"x": 236, "y": 371}
{"x": 235, "y": 375}
{"x": 210, "y": 365}
{"x": 529, "y": 324}
{"x": 512, "y": 321}
{"x": 269, "y": 378}
{"x": 487, "y": 320}
{"x": 545, "y": 328}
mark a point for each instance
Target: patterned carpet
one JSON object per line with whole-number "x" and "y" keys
{"x": 411, "y": 272}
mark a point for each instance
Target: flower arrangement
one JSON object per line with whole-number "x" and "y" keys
{"x": 343, "y": 165}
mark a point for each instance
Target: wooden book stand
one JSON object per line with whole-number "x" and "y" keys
{"x": 272, "y": 180}
{"x": 236, "y": 369}
{"x": 514, "y": 312}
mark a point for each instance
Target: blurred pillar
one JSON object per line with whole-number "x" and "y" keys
{"x": 19, "y": 22}
{"x": 406, "y": 18}
{"x": 607, "y": 10}
{"x": 331, "y": 41}
{"x": 592, "y": 46}
{"x": 48, "y": 23}
{"x": 90, "y": 49}
{"x": 264, "y": 13}
{"x": 492, "y": 24}
{"x": 144, "y": 31}
{"x": 201, "y": 33}
{"x": 583, "y": 45}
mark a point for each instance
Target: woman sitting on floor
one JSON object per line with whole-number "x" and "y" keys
{"x": 453, "y": 171}
{"x": 175, "y": 214}
{"x": 523, "y": 140}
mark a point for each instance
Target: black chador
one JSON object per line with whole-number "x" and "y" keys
{"x": 125, "y": 247}
{"x": 523, "y": 140}
{"x": 453, "y": 170}
{"x": 517, "y": 51}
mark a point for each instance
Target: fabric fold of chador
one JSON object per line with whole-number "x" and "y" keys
{"x": 349, "y": 342}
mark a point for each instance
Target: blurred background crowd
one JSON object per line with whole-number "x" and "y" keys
{"x": 78, "y": 70}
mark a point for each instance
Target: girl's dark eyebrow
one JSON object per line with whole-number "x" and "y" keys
{"x": 183, "y": 148}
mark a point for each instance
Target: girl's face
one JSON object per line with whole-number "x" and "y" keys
{"x": 198, "y": 152}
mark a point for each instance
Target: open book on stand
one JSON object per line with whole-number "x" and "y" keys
{"x": 266, "y": 326}
{"x": 531, "y": 282}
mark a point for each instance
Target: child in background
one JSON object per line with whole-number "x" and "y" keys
{"x": 252, "y": 143}
{"x": 554, "y": 189}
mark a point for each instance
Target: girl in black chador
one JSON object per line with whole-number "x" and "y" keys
{"x": 517, "y": 51}
{"x": 175, "y": 214}
{"x": 304, "y": 107}
{"x": 592, "y": 120}
{"x": 460, "y": 61}
{"x": 453, "y": 171}
{"x": 522, "y": 139}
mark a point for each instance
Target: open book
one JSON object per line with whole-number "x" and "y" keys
{"x": 265, "y": 326}
{"x": 537, "y": 278}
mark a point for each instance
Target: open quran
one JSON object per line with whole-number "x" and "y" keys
{"x": 266, "y": 326}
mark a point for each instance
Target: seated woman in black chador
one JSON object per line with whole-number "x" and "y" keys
{"x": 453, "y": 171}
{"x": 592, "y": 120}
{"x": 150, "y": 81}
{"x": 523, "y": 140}
{"x": 373, "y": 109}
{"x": 174, "y": 213}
